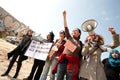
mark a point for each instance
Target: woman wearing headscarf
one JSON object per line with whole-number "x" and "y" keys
{"x": 112, "y": 65}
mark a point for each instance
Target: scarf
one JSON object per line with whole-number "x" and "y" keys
{"x": 114, "y": 62}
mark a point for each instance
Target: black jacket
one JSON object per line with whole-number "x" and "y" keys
{"x": 22, "y": 47}
{"x": 24, "y": 44}
{"x": 112, "y": 73}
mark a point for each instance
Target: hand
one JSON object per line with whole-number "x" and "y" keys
{"x": 41, "y": 42}
{"x": 112, "y": 30}
{"x": 64, "y": 13}
{"x": 89, "y": 39}
{"x": 64, "y": 19}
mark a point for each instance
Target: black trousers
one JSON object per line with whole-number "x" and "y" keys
{"x": 10, "y": 54}
{"x": 19, "y": 64}
{"x": 37, "y": 67}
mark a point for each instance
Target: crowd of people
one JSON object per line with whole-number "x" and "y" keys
{"x": 69, "y": 58}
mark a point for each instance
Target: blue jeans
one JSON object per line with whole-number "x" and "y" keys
{"x": 61, "y": 71}
{"x": 45, "y": 70}
{"x": 54, "y": 62}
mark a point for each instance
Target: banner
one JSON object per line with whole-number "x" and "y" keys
{"x": 38, "y": 50}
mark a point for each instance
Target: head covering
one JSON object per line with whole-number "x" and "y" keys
{"x": 114, "y": 62}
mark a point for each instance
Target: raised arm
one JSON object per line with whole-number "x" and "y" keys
{"x": 65, "y": 25}
{"x": 115, "y": 37}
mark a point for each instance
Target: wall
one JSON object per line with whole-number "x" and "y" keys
{"x": 10, "y": 26}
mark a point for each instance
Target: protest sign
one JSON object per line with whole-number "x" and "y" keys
{"x": 70, "y": 46}
{"x": 38, "y": 50}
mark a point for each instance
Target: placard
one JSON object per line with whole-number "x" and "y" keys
{"x": 38, "y": 50}
{"x": 70, "y": 46}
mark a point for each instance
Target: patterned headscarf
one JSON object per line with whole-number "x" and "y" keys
{"x": 114, "y": 62}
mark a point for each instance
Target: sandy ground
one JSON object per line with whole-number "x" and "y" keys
{"x": 6, "y": 47}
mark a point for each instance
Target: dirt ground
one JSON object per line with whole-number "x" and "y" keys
{"x": 6, "y": 47}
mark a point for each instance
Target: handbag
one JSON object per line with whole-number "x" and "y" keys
{"x": 54, "y": 49}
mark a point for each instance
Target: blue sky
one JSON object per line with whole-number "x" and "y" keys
{"x": 44, "y": 16}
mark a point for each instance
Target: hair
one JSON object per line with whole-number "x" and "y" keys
{"x": 78, "y": 31}
{"x": 28, "y": 34}
{"x": 52, "y": 35}
{"x": 100, "y": 39}
{"x": 62, "y": 31}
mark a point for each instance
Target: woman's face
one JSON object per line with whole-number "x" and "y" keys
{"x": 48, "y": 37}
{"x": 62, "y": 35}
{"x": 94, "y": 38}
{"x": 89, "y": 39}
{"x": 29, "y": 32}
{"x": 114, "y": 55}
{"x": 76, "y": 33}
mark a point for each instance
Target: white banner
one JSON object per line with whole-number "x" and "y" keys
{"x": 38, "y": 50}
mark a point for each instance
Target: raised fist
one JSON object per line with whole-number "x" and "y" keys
{"x": 64, "y": 13}
{"x": 112, "y": 30}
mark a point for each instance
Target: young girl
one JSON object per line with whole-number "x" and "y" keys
{"x": 112, "y": 65}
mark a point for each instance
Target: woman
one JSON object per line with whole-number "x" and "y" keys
{"x": 91, "y": 68}
{"x": 56, "y": 50}
{"x": 19, "y": 52}
{"x": 38, "y": 64}
{"x": 112, "y": 65}
{"x": 70, "y": 58}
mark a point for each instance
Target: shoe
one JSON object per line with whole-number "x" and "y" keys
{"x": 5, "y": 74}
{"x": 8, "y": 55}
{"x": 15, "y": 76}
